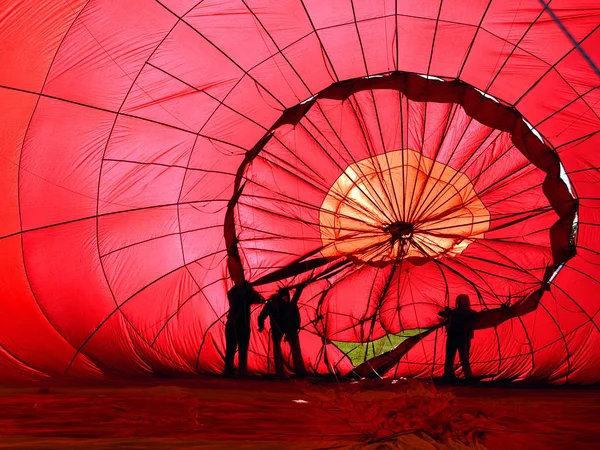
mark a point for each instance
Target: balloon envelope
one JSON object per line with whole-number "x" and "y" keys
{"x": 390, "y": 155}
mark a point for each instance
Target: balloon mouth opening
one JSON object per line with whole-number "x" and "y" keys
{"x": 361, "y": 218}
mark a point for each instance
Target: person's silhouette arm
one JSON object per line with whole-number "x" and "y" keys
{"x": 494, "y": 317}
{"x": 445, "y": 313}
{"x": 298, "y": 293}
{"x": 262, "y": 316}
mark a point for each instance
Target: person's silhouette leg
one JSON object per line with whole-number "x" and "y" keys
{"x": 277, "y": 355}
{"x": 230, "y": 347}
{"x": 243, "y": 344}
{"x": 294, "y": 342}
{"x": 463, "y": 354}
{"x": 451, "y": 349}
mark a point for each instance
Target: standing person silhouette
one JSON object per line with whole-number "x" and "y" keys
{"x": 284, "y": 316}
{"x": 462, "y": 321}
{"x": 237, "y": 328}
{"x": 459, "y": 331}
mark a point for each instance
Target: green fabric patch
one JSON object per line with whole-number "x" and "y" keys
{"x": 359, "y": 352}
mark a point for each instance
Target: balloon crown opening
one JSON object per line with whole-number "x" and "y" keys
{"x": 400, "y": 231}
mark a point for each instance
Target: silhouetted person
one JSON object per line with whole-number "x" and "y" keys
{"x": 237, "y": 328}
{"x": 462, "y": 321}
{"x": 284, "y": 316}
{"x": 460, "y": 331}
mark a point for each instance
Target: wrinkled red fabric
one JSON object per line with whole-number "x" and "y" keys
{"x": 128, "y": 128}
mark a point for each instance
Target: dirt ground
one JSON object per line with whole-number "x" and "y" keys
{"x": 252, "y": 413}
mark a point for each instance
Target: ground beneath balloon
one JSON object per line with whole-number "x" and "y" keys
{"x": 253, "y": 413}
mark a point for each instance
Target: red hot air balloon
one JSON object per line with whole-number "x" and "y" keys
{"x": 387, "y": 156}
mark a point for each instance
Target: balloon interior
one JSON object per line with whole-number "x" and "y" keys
{"x": 378, "y": 159}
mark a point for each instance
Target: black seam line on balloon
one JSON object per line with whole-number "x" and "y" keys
{"x": 570, "y": 36}
{"x": 97, "y": 220}
{"x": 450, "y": 118}
{"x": 21, "y": 363}
{"x": 590, "y": 318}
{"x": 175, "y": 166}
{"x": 558, "y": 111}
{"x": 496, "y": 217}
{"x": 298, "y": 202}
{"x": 515, "y": 267}
{"x": 316, "y": 30}
{"x": 186, "y": 130}
{"x": 366, "y": 135}
{"x": 553, "y": 67}
{"x": 363, "y": 319}
{"x": 460, "y": 170}
{"x": 180, "y": 307}
{"x": 396, "y": 38}
{"x": 564, "y": 338}
{"x": 520, "y": 268}
{"x": 182, "y": 20}
{"x": 361, "y": 122}
{"x": 461, "y": 276}
{"x": 479, "y": 273}
{"x": 499, "y": 184}
{"x": 81, "y": 219}
{"x": 444, "y": 21}
{"x": 119, "y": 309}
{"x": 437, "y": 22}
{"x": 155, "y": 238}
{"x": 363, "y": 176}
{"x": 583, "y": 99}
{"x": 80, "y": 349}
{"x": 320, "y": 43}
{"x": 401, "y": 119}
{"x": 322, "y": 148}
{"x": 489, "y": 205}
{"x": 531, "y": 24}
{"x": 26, "y": 272}
{"x": 362, "y": 50}
{"x": 457, "y": 171}
{"x": 333, "y": 159}
{"x": 379, "y": 304}
{"x": 287, "y": 167}
{"x": 474, "y": 180}
{"x": 394, "y": 194}
{"x": 282, "y": 161}
{"x": 106, "y": 110}
{"x": 279, "y": 51}
{"x": 72, "y": 191}
{"x": 315, "y": 184}
{"x": 365, "y": 132}
{"x": 347, "y": 151}
{"x": 359, "y": 235}
{"x": 220, "y": 102}
{"x": 414, "y": 216}
{"x": 510, "y": 178}
{"x": 414, "y": 305}
{"x": 580, "y": 138}
{"x": 477, "y": 29}
{"x": 179, "y": 211}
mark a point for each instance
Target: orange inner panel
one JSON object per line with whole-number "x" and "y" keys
{"x": 400, "y": 205}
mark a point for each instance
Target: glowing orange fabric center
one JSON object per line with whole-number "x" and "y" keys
{"x": 400, "y": 205}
